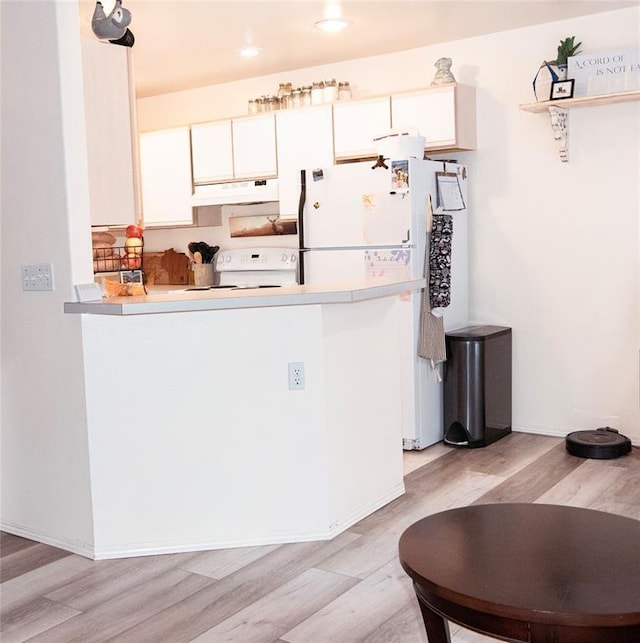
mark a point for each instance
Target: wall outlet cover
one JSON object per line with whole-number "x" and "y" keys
{"x": 296, "y": 376}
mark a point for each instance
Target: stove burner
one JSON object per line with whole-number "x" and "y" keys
{"x": 234, "y": 287}
{"x": 250, "y": 286}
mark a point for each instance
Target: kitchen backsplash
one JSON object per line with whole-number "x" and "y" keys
{"x": 157, "y": 240}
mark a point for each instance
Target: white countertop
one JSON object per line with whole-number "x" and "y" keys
{"x": 166, "y": 300}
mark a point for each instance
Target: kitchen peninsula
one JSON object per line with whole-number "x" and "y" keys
{"x": 196, "y": 440}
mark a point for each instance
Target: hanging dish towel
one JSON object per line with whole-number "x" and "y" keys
{"x": 431, "y": 340}
{"x": 440, "y": 261}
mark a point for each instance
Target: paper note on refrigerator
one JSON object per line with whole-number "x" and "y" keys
{"x": 385, "y": 219}
{"x": 394, "y": 263}
{"x": 449, "y": 192}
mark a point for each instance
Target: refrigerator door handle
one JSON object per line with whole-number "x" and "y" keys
{"x": 301, "y": 244}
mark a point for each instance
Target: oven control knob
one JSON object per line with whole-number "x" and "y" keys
{"x": 284, "y": 257}
{"x": 293, "y": 258}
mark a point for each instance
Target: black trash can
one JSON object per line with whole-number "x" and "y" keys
{"x": 477, "y": 386}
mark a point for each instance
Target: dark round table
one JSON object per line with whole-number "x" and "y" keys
{"x": 527, "y": 572}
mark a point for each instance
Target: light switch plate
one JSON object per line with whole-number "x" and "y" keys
{"x": 37, "y": 276}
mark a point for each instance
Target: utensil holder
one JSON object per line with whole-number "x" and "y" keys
{"x": 203, "y": 274}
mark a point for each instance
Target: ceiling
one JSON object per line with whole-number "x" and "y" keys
{"x": 183, "y": 44}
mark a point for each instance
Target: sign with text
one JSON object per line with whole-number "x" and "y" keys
{"x": 605, "y": 72}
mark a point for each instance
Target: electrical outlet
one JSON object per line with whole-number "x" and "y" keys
{"x": 296, "y": 376}
{"x": 37, "y": 276}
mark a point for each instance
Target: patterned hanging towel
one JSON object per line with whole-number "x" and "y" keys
{"x": 440, "y": 261}
{"x": 431, "y": 338}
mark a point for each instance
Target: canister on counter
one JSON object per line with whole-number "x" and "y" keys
{"x": 203, "y": 274}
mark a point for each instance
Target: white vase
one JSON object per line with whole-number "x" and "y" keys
{"x": 547, "y": 74}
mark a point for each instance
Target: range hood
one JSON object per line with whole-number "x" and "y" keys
{"x": 235, "y": 193}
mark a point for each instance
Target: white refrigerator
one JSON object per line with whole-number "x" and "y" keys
{"x": 355, "y": 221}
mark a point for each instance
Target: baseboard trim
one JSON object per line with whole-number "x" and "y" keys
{"x": 343, "y": 524}
{"x": 176, "y": 547}
{"x": 555, "y": 433}
{"x": 273, "y": 538}
{"x": 73, "y": 546}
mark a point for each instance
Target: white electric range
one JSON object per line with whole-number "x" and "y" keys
{"x": 256, "y": 267}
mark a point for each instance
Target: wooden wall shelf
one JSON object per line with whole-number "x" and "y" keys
{"x": 583, "y": 101}
{"x": 558, "y": 111}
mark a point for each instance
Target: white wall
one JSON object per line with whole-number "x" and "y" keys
{"x": 45, "y": 476}
{"x": 554, "y": 247}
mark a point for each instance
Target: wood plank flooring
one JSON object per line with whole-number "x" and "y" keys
{"x": 347, "y": 590}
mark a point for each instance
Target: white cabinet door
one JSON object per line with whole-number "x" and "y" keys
{"x": 305, "y": 140}
{"x": 444, "y": 115}
{"x": 111, "y": 135}
{"x": 165, "y": 163}
{"x": 254, "y": 147}
{"x": 212, "y": 152}
{"x": 357, "y": 123}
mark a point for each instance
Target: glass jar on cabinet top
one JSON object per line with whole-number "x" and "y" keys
{"x": 330, "y": 91}
{"x": 317, "y": 93}
{"x": 284, "y": 95}
{"x": 344, "y": 90}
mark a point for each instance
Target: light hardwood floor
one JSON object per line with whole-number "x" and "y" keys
{"x": 348, "y": 590}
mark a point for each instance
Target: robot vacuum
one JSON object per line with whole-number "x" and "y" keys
{"x": 602, "y": 444}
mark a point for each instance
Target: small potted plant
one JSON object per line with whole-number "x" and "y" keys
{"x": 566, "y": 48}
{"x": 553, "y": 70}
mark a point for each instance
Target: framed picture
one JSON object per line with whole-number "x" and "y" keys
{"x": 261, "y": 225}
{"x": 131, "y": 277}
{"x": 562, "y": 89}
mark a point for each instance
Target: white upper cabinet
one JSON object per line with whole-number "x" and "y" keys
{"x": 254, "y": 147}
{"x": 239, "y": 148}
{"x": 444, "y": 115}
{"x": 111, "y": 136}
{"x": 165, "y": 161}
{"x": 357, "y": 123}
{"x": 284, "y": 142}
{"x": 212, "y": 152}
{"x": 305, "y": 140}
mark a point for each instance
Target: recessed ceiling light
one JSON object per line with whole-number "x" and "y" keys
{"x": 333, "y": 25}
{"x": 249, "y": 51}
